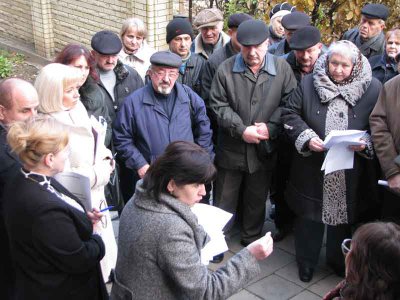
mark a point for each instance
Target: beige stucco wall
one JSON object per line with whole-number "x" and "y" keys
{"x": 51, "y": 24}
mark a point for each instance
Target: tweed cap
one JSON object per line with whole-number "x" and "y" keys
{"x": 375, "y": 11}
{"x": 208, "y": 17}
{"x": 252, "y": 32}
{"x": 305, "y": 38}
{"x": 295, "y": 20}
{"x": 236, "y": 19}
{"x": 177, "y": 27}
{"x": 166, "y": 59}
{"x": 106, "y": 42}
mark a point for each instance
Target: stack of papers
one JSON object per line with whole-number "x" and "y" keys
{"x": 339, "y": 156}
{"x": 213, "y": 220}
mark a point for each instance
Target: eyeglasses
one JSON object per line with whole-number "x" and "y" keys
{"x": 103, "y": 220}
{"x": 162, "y": 73}
{"x": 346, "y": 246}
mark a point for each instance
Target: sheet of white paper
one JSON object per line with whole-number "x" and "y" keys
{"x": 213, "y": 220}
{"x": 339, "y": 157}
{"x": 77, "y": 185}
{"x": 351, "y": 137}
{"x": 99, "y": 133}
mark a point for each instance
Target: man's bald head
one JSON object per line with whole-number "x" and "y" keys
{"x": 18, "y": 100}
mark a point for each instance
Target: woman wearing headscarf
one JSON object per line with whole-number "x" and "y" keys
{"x": 339, "y": 95}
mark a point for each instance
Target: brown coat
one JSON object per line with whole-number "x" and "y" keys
{"x": 385, "y": 126}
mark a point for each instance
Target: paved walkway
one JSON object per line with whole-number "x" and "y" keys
{"x": 278, "y": 279}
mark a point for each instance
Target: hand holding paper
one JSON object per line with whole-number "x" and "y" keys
{"x": 262, "y": 248}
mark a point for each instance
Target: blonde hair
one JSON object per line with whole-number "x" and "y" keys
{"x": 37, "y": 137}
{"x": 50, "y": 85}
{"x": 136, "y": 24}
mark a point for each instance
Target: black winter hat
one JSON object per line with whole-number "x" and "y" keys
{"x": 236, "y": 19}
{"x": 166, "y": 59}
{"x": 281, "y": 6}
{"x": 177, "y": 27}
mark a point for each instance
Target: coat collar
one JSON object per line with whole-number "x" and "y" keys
{"x": 269, "y": 64}
{"x": 182, "y": 95}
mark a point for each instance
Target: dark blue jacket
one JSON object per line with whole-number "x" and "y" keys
{"x": 381, "y": 69}
{"x": 143, "y": 130}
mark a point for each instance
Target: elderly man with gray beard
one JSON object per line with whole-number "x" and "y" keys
{"x": 161, "y": 112}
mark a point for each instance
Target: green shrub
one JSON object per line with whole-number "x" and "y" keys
{"x": 5, "y": 67}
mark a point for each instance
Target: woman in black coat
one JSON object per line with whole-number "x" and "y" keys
{"x": 339, "y": 95}
{"x": 55, "y": 252}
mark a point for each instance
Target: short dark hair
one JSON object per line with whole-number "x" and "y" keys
{"x": 74, "y": 51}
{"x": 373, "y": 264}
{"x": 182, "y": 161}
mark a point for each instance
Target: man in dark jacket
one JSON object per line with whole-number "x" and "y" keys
{"x": 290, "y": 22}
{"x": 246, "y": 94}
{"x": 18, "y": 102}
{"x": 116, "y": 79}
{"x": 306, "y": 48}
{"x": 368, "y": 36}
{"x": 216, "y": 59}
{"x": 161, "y": 112}
{"x": 179, "y": 39}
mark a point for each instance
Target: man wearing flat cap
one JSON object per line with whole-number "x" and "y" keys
{"x": 161, "y": 112}
{"x": 209, "y": 22}
{"x": 306, "y": 48}
{"x": 179, "y": 39}
{"x": 247, "y": 92}
{"x": 290, "y": 22}
{"x": 117, "y": 80}
{"x": 368, "y": 36}
{"x": 231, "y": 48}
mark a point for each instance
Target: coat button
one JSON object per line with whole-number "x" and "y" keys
{"x": 253, "y": 102}
{"x": 341, "y": 114}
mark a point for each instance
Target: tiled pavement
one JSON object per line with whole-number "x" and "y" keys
{"x": 278, "y": 279}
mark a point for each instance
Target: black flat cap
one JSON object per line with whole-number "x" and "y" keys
{"x": 295, "y": 20}
{"x": 106, "y": 42}
{"x": 252, "y": 32}
{"x": 166, "y": 59}
{"x": 375, "y": 11}
{"x": 305, "y": 38}
{"x": 236, "y": 19}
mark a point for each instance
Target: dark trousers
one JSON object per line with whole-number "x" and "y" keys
{"x": 391, "y": 206}
{"x": 254, "y": 188}
{"x": 308, "y": 237}
{"x": 284, "y": 216}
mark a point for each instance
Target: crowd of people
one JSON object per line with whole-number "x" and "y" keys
{"x": 226, "y": 119}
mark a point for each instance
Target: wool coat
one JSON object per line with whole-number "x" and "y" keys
{"x": 55, "y": 253}
{"x": 159, "y": 254}
{"x": 374, "y": 46}
{"x": 305, "y": 111}
{"x": 385, "y": 127}
{"x": 198, "y": 48}
{"x": 238, "y": 100}
{"x": 82, "y": 160}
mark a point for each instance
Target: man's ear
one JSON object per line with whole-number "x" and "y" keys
{"x": 171, "y": 186}
{"x": 2, "y": 112}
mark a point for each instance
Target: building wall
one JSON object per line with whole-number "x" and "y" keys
{"x": 16, "y": 20}
{"x": 51, "y": 24}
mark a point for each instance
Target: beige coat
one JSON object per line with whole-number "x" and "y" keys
{"x": 385, "y": 126}
{"x": 83, "y": 161}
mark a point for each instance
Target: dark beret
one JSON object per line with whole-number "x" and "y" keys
{"x": 375, "y": 11}
{"x": 281, "y": 6}
{"x": 295, "y": 20}
{"x": 166, "y": 59}
{"x": 177, "y": 27}
{"x": 305, "y": 38}
{"x": 252, "y": 32}
{"x": 236, "y": 19}
{"x": 106, "y": 42}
